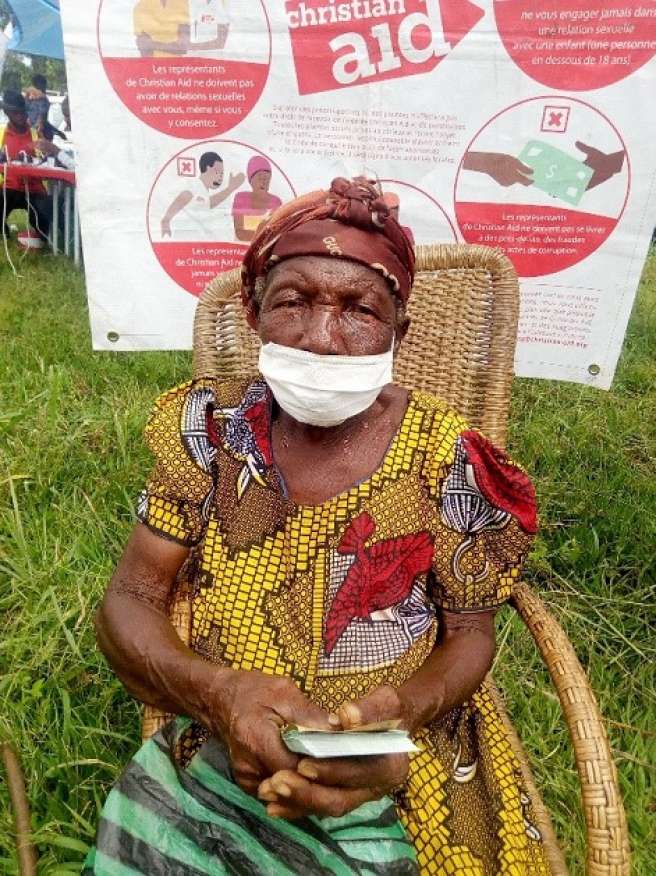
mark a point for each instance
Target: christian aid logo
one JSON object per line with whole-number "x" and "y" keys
{"x": 340, "y": 44}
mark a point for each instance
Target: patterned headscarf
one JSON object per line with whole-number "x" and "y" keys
{"x": 350, "y": 221}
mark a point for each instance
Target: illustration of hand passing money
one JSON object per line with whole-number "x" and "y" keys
{"x": 549, "y": 169}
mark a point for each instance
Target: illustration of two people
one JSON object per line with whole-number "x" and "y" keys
{"x": 204, "y": 194}
{"x": 165, "y": 28}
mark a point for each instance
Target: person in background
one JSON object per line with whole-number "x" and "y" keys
{"x": 18, "y": 142}
{"x": 251, "y": 209}
{"x": 38, "y": 104}
{"x": 393, "y": 203}
{"x": 165, "y": 28}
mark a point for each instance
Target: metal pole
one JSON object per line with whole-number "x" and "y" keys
{"x": 76, "y": 229}
{"x": 67, "y": 220}
{"x": 56, "y": 192}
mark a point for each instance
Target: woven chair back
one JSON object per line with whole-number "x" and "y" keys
{"x": 460, "y": 346}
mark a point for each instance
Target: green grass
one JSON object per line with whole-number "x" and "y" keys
{"x": 71, "y": 462}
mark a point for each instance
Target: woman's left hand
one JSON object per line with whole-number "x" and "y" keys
{"x": 337, "y": 785}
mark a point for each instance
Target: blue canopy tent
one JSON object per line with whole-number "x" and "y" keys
{"x": 37, "y": 28}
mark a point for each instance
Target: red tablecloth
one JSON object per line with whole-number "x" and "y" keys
{"x": 41, "y": 171}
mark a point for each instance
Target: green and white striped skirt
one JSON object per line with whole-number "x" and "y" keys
{"x": 162, "y": 818}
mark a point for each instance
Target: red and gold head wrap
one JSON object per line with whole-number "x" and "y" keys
{"x": 350, "y": 221}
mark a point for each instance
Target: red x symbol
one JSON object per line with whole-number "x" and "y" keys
{"x": 555, "y": 118}
{"x": 186, "y": 166}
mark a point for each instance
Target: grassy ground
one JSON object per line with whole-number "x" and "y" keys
{"x": 71, "y": 462}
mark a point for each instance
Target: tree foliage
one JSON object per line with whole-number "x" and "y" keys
{"x": 19, "y": 69}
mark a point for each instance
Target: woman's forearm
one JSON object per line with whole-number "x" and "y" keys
{"x": 457, "y": 666}
{"x": 150, "y": 659}
{"x": 137, "y": 637}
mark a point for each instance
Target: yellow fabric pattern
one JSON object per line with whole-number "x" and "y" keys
{"x": 269, "y": 594}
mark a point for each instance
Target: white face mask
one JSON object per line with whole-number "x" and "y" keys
{"x": 324, "y": 390}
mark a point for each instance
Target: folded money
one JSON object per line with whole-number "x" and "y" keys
{"x": 369, "y": 739}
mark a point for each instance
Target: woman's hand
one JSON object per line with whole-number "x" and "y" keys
{"x": 382, "y": 704}
{"x": 337, "y": 785}
{"x": 247, "y": 710}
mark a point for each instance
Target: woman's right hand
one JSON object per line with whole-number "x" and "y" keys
{"x": 247, "y": 711}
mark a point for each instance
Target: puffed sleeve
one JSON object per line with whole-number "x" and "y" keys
{"x": 179, "y": 494}
{"x": 487, "y": 522}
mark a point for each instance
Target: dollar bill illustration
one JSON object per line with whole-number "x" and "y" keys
{"x": 555, "y": 172}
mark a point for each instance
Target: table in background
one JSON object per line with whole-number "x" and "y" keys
{"x": 64, "y": 199}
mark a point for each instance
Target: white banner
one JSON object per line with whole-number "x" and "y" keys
{"x": 514, "y": 123}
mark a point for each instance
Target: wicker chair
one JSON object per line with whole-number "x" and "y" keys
{"x": 460, "y": 346}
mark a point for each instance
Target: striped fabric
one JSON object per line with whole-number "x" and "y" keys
{"x": 163, "y": 819}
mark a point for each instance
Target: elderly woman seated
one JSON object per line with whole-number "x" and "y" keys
{"x": 348, "y": 544}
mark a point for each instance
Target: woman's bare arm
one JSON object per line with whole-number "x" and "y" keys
{"x": 136, "y": 635}
{"x": 458, "y": 664}
{"x": 216, "y": 44}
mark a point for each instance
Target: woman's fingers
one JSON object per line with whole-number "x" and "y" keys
{"x": 259, "y": 749}
{"x": 291, "y": 813}
{"x": 382, "y": 704}
{"x": 266, "y": 793}
{"x": 297, "y": 709}
{"x": 296, "y": 797}
{"x": 385, "y": 771}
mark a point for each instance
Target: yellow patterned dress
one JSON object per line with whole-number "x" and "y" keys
{"x": 341, "y": 596}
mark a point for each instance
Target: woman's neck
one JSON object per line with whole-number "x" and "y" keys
{"x": 327, "y": 436}
{"x": 317, "y": 463}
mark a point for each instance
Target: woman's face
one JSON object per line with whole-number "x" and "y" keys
{"x": 328, "y": 306}
{"x": 261, "y": 180}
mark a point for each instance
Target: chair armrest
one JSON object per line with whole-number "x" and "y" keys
{"x": 608, "y": 852}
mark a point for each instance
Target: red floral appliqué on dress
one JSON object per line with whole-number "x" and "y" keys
{"x": 381, "y": 576}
